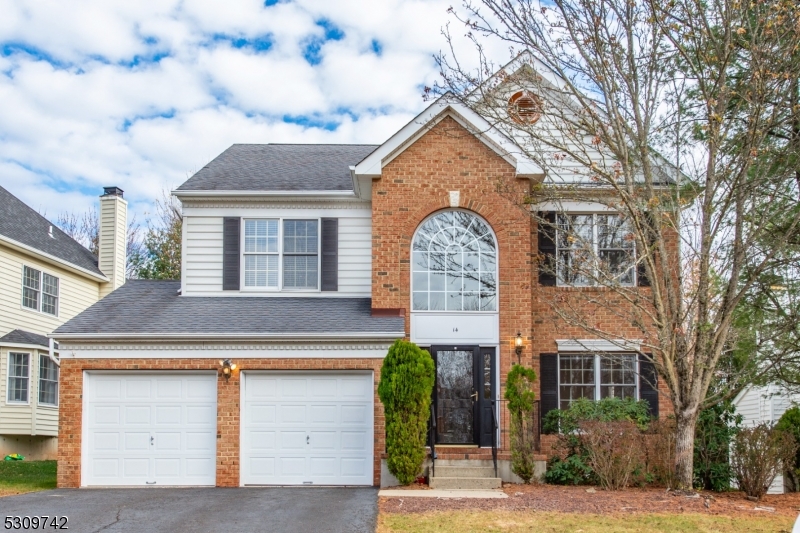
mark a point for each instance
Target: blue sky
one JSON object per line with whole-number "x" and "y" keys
{"x": 143, "y": 94}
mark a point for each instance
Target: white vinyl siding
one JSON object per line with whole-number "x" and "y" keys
{"x": 765, "y": 404}
{"x": 29, "y": 418}
{"x": 203, "y": 252}
{"x": 76, "y": 293}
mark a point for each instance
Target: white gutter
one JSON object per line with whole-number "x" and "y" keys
{"x": 264, "y": 194}
{"x": 22, "y": 345}
{"x": 52, "y": 259}
{"x": 231, "y": 336}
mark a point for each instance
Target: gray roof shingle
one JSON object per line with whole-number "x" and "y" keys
{"x": 147, "y": 307}
{"x": 19, "y": 336}
{"x": 22, "y": 224}
{"x": 280, "y": 167}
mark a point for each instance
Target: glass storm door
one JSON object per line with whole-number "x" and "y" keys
{"x": 463, "y": 393}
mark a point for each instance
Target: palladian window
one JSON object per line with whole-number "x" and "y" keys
{"x": 454, "y": 264}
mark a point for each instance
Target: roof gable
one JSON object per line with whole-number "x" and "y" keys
{"x": 447, "y": 106}
{"x": 22, "y": 226}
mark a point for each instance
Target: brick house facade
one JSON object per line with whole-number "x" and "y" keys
{"x": 298, "y": 274}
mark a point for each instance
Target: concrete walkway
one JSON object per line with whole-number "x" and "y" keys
{"x": 203, "y": 510}
{"x": 442, "y": 493}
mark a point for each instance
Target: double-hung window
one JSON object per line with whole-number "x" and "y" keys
{"x": 39, "y": 291}
{"x": 594, "y": 248}
{"x": 48, "y": 381}
{"x": 595, "y": 376}
{"x": 281, "y": 254}
{"x": 19, "y": 372}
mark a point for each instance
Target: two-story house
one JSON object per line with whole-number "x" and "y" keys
{"x": 46, "y": 278}
{"x": 301, "y": 264}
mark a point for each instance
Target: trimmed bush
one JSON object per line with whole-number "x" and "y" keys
{"x": 790, "y": 423}
{"x": 520, "y": 396}
{"x": 758, "y": 454}
{"x": 405, "y": 389}
{"x": 571, "y": 464}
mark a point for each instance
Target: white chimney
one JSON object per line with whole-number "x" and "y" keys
{"x": 112, "y": 238}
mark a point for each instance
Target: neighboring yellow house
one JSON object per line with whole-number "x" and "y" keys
{"x": 46, "y": 278}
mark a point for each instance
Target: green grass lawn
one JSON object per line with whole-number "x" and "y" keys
{"x": 549, "y": 522}
{"x": 17, "y": 477}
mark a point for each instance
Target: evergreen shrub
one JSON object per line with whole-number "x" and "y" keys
{"x": 405, "y": 389}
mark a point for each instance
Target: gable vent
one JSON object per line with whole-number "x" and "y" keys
{"x": 525, "y": 107}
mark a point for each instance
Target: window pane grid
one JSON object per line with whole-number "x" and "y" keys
{"x": 49, "y": 294}
{"x": 18, "y": 373}
{"x": 30, "y": 288}
{"x": 48, "y": 381}
{"x": 590, "y": 247}
{"x": 576, "y": 378}
{"x": 261, "y": 253}
{"x": 615, "y": 377}
{"x": 454, "y": 264}
{"x": 300, "y": 259}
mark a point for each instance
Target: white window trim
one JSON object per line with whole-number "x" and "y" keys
{"x": 8, "y": 380}
{"x": 595, "y": 250}
{"x": 597, "y": 385}
{"x": 599, "y": 345}
{"x": 38, "y": 310}
{"x": 39, "y": 381}
{"x": 279, "y": 288}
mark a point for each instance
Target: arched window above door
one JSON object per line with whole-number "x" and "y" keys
{"x": 454, "y": 264}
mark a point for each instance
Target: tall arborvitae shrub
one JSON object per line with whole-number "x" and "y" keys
{"x": 520, "y": 396}
{"x": 405, "y": 390}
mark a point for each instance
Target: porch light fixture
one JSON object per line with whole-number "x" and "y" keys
{"x": 518, "y": 347}
{"x": 227, "y": 368}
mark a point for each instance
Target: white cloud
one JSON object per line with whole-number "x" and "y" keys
{"x": 83, "y": 105}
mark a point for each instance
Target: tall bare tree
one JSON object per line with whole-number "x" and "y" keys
{"x": 664, "y": 112}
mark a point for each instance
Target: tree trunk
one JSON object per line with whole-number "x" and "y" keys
{"x": 684, "y": 448}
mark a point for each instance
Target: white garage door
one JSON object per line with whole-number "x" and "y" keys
{"x": 307, "y": 429}
{"x": 150, "y": 429}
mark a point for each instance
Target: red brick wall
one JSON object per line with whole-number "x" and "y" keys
{"x": 416, "y": 184}
{"x": 71, "y": 406}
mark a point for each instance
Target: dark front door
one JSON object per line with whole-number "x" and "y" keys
{"x": 463, "y": 393}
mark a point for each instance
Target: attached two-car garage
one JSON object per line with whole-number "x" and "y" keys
{"x": 160, "y": 428}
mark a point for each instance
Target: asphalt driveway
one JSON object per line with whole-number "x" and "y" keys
{"x": 205, "y": 510}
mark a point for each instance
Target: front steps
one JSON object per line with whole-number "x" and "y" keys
{"x": 464, "y": 478}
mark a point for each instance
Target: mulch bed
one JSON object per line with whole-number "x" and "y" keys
{"x": 597, "y": 501}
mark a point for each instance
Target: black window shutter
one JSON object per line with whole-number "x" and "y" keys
{"x": 641, "y": 272}
{"x": 548, "y": 381}
{"x": 547, "y": 248}
{"x": 648, "y": 383}
{"x": 230, "y": 254}
{"x": 330, "y": 254}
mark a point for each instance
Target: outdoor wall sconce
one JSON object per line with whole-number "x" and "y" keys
{"x": 227, "y": 368}
{"x": 518, "y": 347}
